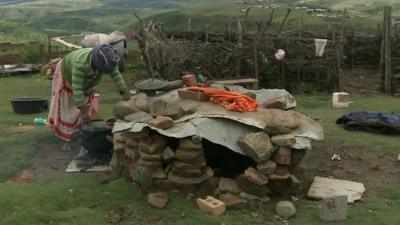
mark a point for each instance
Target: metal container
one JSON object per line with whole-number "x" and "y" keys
{"x": 94, "y": 138}
{"x": 151, "y": 85}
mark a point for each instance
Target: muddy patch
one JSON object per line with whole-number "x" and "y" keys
{"x": 51, "y": 160}
{"x": 20, "y": 129}
{"x": 376, "y": 171}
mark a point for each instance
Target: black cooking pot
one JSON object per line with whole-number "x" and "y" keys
{"x": 29, "y": 105}
{"x": 94, "y": 138}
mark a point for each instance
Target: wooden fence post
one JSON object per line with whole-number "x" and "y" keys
{"x": 49, "y": 48}
{"x": 207, "y": 32}
{"x": 387, "y": 36}
{"x": 189, "y": 26}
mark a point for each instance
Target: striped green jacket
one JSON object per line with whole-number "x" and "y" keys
{"x": 77, "y": 71}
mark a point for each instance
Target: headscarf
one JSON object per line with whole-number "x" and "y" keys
{"x": 105, "y": 58}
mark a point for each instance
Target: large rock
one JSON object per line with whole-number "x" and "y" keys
{"x": 142, "y": 102}
{"x": 333, "y": 209}
{"x": 162, "y": 122}
{"x": 283, "y": 122}
{"x": 251, "y": 188}
{"x": 124, "y": 108}
{"x": 188, "y": 156}
{"x": 232, "y": 201}
{"x": 229, "y": 185}
{"x": 267, "y": 167}
{"x": 139, "y": 117}
{"x": 161, "y": 107}
{"x": 157, "y": 200}
{"x": 192, "y": 180}
{"x": 256, "y": 177}
{"x": 286, "y": 140}
{"x": 285, "y": 209}
{"x": 257, "y": 146}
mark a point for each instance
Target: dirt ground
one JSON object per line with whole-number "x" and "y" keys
{"x": 51, "y": 160}
{"x": 376, "y": 171}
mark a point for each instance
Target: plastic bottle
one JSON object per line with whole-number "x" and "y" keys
{"x": 40, "y": 121}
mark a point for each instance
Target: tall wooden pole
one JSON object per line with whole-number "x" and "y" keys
{"x": 189, "y": 26}
{"x": 388, "y": 49}
{"x": 49, "y": 55}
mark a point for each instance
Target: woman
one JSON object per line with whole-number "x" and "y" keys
{"x": 74, "y": 79}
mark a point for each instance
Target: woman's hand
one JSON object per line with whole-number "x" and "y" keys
{"x": 85, "y": 115}
{"x": 126, "y": 95}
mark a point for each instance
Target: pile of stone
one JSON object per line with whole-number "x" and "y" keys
{"x": 150, "y": 162}
{"x": 157, "y": 162}
{"x": 276, "y": 160}
{"x": 190, "y": 168}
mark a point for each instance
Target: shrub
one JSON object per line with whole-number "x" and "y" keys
{"x": 33, "y": 53}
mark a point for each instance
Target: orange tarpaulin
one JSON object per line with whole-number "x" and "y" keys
{"x": 230, "y": 100}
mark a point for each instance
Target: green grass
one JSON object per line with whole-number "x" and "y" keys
{"x": 85, "y": 200}
{"x": 320, "y": 107}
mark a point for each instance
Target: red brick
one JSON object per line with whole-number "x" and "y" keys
{"x": 283, "y": 156}
{"x": 194, "y": 95}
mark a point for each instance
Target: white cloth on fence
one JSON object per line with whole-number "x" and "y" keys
{"x": 280, "y": 54}
{"x": 320, "y": 45}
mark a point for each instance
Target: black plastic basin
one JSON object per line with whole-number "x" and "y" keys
{"x": 29, "y": 105}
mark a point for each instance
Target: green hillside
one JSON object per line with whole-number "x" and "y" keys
{"x": 219, "y": 16}
{"x": 76, "y": 16}
{"x": 15, "y": 33}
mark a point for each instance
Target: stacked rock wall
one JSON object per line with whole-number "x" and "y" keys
{"x": 148, "y": 159}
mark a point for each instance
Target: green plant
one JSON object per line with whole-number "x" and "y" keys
{"x": 189, "y": 197}
{"x": 33, "y": 53}
{"x": 218, "y": 191}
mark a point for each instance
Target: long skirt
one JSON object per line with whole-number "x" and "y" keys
{"x": 64, "y": 115}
